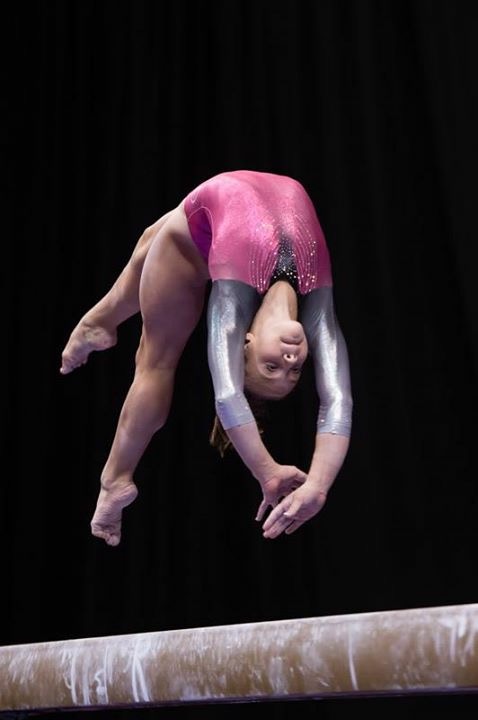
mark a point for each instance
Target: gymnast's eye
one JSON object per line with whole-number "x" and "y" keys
{"x": 271, "y": 366}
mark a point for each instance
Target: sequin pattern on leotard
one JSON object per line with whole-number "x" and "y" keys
{"x": 286, "y": 268}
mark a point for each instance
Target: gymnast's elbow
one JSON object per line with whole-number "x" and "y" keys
{"x": 232, "y": 409}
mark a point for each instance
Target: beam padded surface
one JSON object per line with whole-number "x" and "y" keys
{"x": 432, "y": 649}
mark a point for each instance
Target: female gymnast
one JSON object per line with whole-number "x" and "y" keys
{"x": 256, "y": 238}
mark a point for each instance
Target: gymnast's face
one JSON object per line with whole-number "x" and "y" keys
{"x": 274, "y": 356}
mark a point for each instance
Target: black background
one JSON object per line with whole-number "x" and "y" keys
{"x": 112, "y": 112}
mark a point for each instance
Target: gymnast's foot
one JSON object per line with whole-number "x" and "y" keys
{"x": 106, "y": 522}
{"x": 85, "y": 338}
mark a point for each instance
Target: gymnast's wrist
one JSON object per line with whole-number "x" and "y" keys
{"x": 320, "y": 486}
{"x": 265, "y": 469}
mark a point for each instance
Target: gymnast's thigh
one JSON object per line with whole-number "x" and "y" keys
{"x": 172, "y": 291}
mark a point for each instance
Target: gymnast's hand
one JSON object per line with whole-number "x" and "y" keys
{"x": 294, "y": 510}
{"x": 281, "y": 481}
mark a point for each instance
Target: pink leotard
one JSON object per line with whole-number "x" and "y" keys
{"x": 238, "y": 220}
{"x": 253, "y": 228}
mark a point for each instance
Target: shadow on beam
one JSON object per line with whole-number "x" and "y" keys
{"x": 400, "y": 652}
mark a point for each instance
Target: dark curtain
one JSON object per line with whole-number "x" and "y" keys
{"x": 112, "y": 112}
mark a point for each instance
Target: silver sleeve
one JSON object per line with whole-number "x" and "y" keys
{"x": 331, "y": 362}
{"x": 231, "y": 308}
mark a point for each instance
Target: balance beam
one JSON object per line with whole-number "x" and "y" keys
{"x": 422, "y": 650}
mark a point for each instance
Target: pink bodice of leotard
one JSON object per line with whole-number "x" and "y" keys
{"x": 238, "y": 220}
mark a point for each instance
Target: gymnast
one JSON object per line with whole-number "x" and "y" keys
{"x": 256, "y": 238}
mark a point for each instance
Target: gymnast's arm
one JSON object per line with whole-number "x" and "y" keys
{"x": 332, "y": 377}
{"x": 232, "y": 306}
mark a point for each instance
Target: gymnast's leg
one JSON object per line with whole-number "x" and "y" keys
{"x": 172, "y": 293}
{"x": 97, "y": 328}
